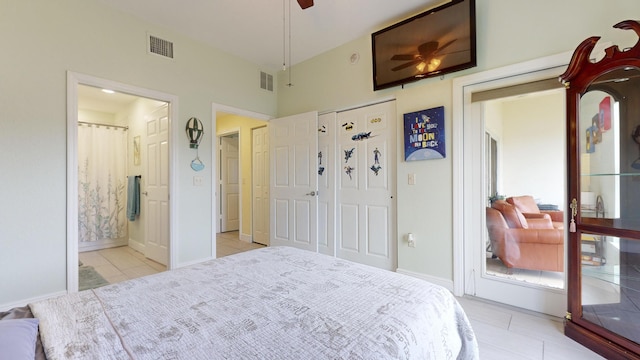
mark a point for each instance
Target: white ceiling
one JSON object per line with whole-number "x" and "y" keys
{"x": 253, "y": 29}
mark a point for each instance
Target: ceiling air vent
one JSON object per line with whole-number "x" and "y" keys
{"x": 266, "y": 81}
{"x": 160, "y": 47}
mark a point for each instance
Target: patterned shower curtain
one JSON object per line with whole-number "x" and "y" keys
{"x": 102, "y": 180}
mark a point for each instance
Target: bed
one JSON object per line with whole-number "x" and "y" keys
{"x": 270, "y": 303}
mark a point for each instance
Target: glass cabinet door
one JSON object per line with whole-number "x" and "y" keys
{"x": 608, "y": 216}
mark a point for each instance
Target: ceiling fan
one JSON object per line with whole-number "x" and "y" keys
{"x": 305, "y": 3}
{"x": 425, "y": 58}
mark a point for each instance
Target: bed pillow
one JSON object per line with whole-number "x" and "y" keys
{"x": 18, "y": 339}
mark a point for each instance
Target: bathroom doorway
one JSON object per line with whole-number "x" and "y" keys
{"x": 118, "y": 190}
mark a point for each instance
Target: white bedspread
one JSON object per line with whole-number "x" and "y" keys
{"x": 272, "y": 303}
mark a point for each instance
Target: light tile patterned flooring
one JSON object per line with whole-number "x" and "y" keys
{"x": 503, "y": 332}
{"x": 120, "y": 263}
{"x": 229, "y": 243}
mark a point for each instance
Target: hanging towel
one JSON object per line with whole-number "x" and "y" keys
{"x": 133, "y": 197}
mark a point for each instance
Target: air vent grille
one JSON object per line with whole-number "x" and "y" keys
{"x": 160, "y": 47}
{"x": 266, "y": 81}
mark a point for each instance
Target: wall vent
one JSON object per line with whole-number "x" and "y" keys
{"x": 160, "y": 47}
{"x": 266, "y": 81}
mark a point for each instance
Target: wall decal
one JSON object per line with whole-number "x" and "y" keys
{"x": 348, "y": 170}
{"x": 348, "y": 154}
{"x": 320, "y": 167}
{"x": 376, "y": 156}
{"x": 361, "y": 136}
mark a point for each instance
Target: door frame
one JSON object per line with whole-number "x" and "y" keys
{"x": 215, "y": 109}
{"x": 461, "y": 100}
{"x": 219, "y": 136}
{"x": 73, "y": 80}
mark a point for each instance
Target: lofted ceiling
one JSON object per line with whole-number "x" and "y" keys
{"x": 253, "y": 29}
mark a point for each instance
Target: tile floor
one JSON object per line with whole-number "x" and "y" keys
{"x": 228, "y": 243}
{"x": 124, "y": 263}
{"x": 506, "y": 332}
{"x": 546, "y": 278}
{"x": 120, "y": 263}
{"x": 503, "y": 332}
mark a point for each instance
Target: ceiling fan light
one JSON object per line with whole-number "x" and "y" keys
{"x": 420, "y": 67}
{"x": 433, "y": 64}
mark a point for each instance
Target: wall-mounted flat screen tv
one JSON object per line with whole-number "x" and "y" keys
{"x": 433, "y": 43}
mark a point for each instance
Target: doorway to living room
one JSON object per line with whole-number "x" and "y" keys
{"x": 511, "y": 135}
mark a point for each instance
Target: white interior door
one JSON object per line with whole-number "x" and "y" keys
{"x": 156, "y": 186}
{"x": 327, "y": 174}
{"x": 293, "y": 152}
{"x": 260, "y": 180}
{"x": 230, "y": 184}
{"x": 365, "y": 213}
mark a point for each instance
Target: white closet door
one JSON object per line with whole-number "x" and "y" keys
{"x": 365, "y": 193}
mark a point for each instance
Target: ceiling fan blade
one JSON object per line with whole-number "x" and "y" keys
{"x": 439, "y": 50}
{"x": 404, "y": 57}
{"x": 406, "y": 65}
{"x": 428, "y": 48}
{"x": 305, "y": 3}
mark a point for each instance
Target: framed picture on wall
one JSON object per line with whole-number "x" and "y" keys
{"x": 424, "y": 135}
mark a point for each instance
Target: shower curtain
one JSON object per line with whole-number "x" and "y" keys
{"x": 102, "y": 163}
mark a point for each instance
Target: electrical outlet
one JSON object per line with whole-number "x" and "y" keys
{"x": 198, "y": 180}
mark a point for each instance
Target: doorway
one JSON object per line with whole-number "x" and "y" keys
{"x": 471, "y": 196}
{"x": 230, "y": 122}
{"x": 148, "y": 158}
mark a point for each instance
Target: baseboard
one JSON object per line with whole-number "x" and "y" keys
{"x": 245, "y": 237}
{"x": 24, "y": 302}
{"x": 445, "y": 283}
{"x": 189, "y": 263}
{"x": 136, "y": 246}
{"x": 102, "y": 245}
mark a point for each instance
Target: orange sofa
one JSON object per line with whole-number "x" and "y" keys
{"x": 528, "y": 207}
{"x": 524, "y": 243}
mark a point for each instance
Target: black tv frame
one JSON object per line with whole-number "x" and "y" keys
{"x": 383, "y": 76}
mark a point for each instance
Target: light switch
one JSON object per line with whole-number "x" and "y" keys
{"x": 412, "y": 179}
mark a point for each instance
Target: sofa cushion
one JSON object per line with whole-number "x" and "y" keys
{"x": 524, "y": 203}
{"x": 511, "y": 214}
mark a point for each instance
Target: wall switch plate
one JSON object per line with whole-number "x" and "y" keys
{"x": 412, "y": 179}
{"x": 198, "y": 180}
{"x": 411, "y": 240}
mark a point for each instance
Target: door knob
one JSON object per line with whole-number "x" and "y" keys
{"x": 144, "y": 193}
{"x": 313, "y": 193}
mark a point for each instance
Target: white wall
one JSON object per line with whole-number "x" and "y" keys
{"x": 42, "y": 40}
{"x": 508, "y": 32}
{"x": 533, "y": 147}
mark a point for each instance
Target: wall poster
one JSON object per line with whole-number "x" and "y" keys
{"x": 424, "y": 135}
